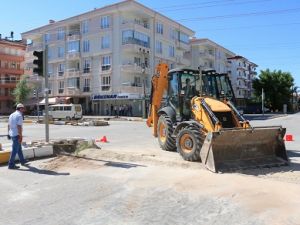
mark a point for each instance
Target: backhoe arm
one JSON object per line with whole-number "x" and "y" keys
{"x": 159, "y": 86}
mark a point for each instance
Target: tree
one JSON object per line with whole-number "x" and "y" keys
{"x": 22, "y": 90}
{"x": 277, "y": 87}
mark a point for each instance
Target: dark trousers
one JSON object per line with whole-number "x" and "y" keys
{"x": 16, "y": 149}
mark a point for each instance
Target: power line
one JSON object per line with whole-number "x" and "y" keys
{"x": 215, "y": 5}
{"x": 263, "y": 13}
{"x": 193, "y": 4}
{"x": 247, "y": 27}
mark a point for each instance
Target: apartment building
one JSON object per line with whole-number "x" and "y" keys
{"x": 242, "y": 73}
{"x": 106, "y": 57}
{"x": 11, "y": 69}
{"x": 210, "y": 55}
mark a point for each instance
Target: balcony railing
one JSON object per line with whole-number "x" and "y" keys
{"x": 86, "y": 89}
{"x": 8, "y": 81}
{"x": 135, "y": 68}
{"x": 35, "y": 47}
{"x": 137, "y": 22}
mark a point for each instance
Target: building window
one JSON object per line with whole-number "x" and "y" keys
{"x": 46, "y": 38}
{"x": 86, "y": 87}
{"x": 50, "y": 51}
{"x": 85, "y": 26}
{"x": 50, "y": 86}
{"x": 184, "y": 38}
{"x": 105, "y": 22}
{"x": 50, "y": 70}
{"x": 172, "y": 34}
{"x": 87, "y": 66}
{"x": 61, "y": 52}
{"x": 86, "y": 46}
{"x": 105, "y": 42}
{"x": 159, "y": 28}
{"x": 106, "y": 63}
{"x": 74, "y": 46}
{"x": 74, "y": 82}
{"x": 61, "y": 33}
{"x": 171, "y": 51}
{"x": 137, "y": 61}
{"x": 105, "y": 83}
{"x": 135, "y": 37}
{"x": 137, "y": 82}
{"x": 61, "y": 69}
{"x": 158, "y": 47}
{"x": 61, "y": 87}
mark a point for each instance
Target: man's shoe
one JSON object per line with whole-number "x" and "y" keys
{"x": 25, "y": 163}
{"x": 13, "y": 167}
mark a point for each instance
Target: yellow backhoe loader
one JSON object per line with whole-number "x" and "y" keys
{"x": 192, "y": 112}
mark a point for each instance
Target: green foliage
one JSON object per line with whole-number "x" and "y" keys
{"x": 22, "y": 90}
{"x": 277, "y": 87}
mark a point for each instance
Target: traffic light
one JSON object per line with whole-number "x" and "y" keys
{"x": 34, "y": 92}
{"x": 38, "y": 62}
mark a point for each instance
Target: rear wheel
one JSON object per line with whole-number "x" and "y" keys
{"x": 189, "y": 142}
{"x": 165, "y": 131}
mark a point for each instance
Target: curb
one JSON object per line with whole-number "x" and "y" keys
{"x": 29, "y": 153}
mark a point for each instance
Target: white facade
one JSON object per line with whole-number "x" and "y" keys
{"x": 242, "y": 73}
{"x": 108, "y": 55}
{"x": 209, "y": 55}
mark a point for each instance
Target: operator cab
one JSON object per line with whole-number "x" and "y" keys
{"x": 184, "y": 84}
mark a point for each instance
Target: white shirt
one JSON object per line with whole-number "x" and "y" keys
{"x": 14, "y": 120}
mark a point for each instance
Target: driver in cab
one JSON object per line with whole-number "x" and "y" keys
{"x": 188, "y": 93}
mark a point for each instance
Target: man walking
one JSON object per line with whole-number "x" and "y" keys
{"x": 15, "y": 126}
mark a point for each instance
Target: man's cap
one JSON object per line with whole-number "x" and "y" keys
{"x": 20, "y": 105}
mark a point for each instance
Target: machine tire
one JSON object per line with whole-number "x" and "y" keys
{"x": 165, "y": 131}
{"x": 189, "y": 142}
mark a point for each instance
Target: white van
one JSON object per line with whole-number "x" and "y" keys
{"x": 65, "y": 111}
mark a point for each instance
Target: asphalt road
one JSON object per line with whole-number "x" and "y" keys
{"x": 131, "y": 181}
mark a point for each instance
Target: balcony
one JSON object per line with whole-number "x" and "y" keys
{"x": 72, "y": 91}
{"x": 13, "y": 71}
{"x": 73, "y": 72}
{"x": 181, "y": 45}
{"x": 183, "y": 61}
{"x": 86, "y": 71}
{"x": 8, "y": 82}
{"x": 73, "y": 36}
{"x": 207, "y": 55}
{"x": 86, "y": 89}
{"x": 35, "y": 47}
{"x": 105, "y": 69}
{"x": 5, "y": 98}
{"x": 132, "y": 89}
{"x": 134, "y": 68}
{"x": 136, "y": 24}
{"x": 73, "y": 55}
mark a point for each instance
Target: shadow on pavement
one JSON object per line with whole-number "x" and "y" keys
{"x": 42, "y": 171}
{"x": 113, "y": 164}
{"x": 291, "y": 167}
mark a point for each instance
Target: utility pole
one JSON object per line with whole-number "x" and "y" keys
{"x": 46, "y": 118}
{"x": 262, "y": 101}
{"x": 38, "y": 103}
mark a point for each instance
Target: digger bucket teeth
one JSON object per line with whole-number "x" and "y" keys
{"x": 235, "y": 149}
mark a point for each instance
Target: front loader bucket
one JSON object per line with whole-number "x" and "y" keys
{"x": 234, "y": 149}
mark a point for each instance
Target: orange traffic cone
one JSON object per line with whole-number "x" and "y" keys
{"x": 289, "y": 137}
{"x": 104, "y": 139}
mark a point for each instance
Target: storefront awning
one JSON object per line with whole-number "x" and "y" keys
{"x": 52, "y": 101}
{"x": 56, "y": 100}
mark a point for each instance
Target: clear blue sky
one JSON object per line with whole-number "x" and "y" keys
{"x": 264, "y": 31}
